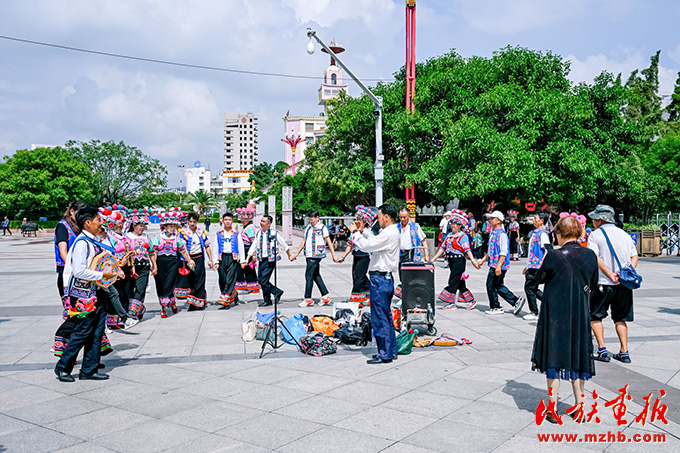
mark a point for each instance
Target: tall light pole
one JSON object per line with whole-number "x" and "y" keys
{"x": 377, "y": 113}
{"x": 181, "y": 173}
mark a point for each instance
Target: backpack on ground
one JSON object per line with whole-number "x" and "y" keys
{"x": 317, "y": 344}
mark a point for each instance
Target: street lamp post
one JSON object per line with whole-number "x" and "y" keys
{"x": 377, "y": 113}
{"x": 181, "y": 173}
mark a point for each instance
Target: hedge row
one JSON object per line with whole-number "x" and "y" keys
{"x": 46, "y": 224}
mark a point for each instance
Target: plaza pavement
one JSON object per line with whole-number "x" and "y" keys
{"x": 188, "y": 382}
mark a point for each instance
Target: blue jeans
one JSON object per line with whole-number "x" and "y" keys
{"x": 382, "y": 290}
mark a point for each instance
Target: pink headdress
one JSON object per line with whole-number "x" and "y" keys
{"x": 366, "y": 213}
{"x": 245, "y": 214}
{"x": 581, "y": 218}
{"x": 458, "y": 216}
{"x": 512, "y": 213}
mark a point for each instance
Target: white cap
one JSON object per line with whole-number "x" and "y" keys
{"x": 447, "y": 213}
{"x": 497, "y": 214}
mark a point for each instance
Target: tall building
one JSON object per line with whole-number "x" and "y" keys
{"x": 240, "y": 141}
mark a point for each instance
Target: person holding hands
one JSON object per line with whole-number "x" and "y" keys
{"x": 456, "y": 247}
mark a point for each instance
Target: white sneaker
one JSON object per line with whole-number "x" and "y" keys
{"x": 495, "y": 311}
{"x": 530, "y": 317}
{"x": 130, "y": 323}
{"x": 518, "y": 306}
{"x": 108, "y": 330}
{"x": 306, "y": 303}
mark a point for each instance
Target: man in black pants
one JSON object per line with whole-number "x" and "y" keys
{"x": 267, "y": 246}
{"x": 314, "y": 243}
{"x": 87, "y": 308}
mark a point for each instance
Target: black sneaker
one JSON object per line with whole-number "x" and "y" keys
{"x": 623, "y": 357}
{"x": 602, "y": 356}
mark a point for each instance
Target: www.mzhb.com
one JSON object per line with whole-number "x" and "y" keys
{"x": 608, "y": 437}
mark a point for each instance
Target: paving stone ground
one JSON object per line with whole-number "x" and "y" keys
{"x": 189, "y": 383}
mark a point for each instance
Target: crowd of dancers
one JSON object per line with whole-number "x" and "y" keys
{"x": 178, "y": 258}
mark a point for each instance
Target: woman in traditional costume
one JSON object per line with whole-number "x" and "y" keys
{"x": 140, "y": 246}
{"x": 168, "y": 247}
{"x": 360, "y": 259}
{"x": 247, "y": 279}
{"x": 456, "y": 247}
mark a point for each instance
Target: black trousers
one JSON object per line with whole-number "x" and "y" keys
{"x": 456, "y": 270}
{"x": 495, "y": 287}
{"x": 141, "y": 282}
{"x": 360, "y": 281}
{"x": 60, "y": 281}
{"x": 531, "y": 290}
{"x": 87, "y": 333}
{"x": 166, "y": 275}
{"x": 113, "y": 304}
{"x": 125, "y": 287}
{"x": 312, "y": 276}
{"x": 265, "y": 270}
{"x": 228, "y": 273}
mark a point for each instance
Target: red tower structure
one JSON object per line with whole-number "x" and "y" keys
{"x": 410, "y": 86}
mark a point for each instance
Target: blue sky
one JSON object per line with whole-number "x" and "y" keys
{"x": 49, "y": 96}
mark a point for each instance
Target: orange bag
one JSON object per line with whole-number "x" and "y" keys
{"x": 396, "y": 318}
{"x": 324, "y": 324}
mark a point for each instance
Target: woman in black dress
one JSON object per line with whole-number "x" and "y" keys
{"x": 563, "y": 346}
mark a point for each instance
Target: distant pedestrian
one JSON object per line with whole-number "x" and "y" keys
{"x": 563, "y": 345}
{"x": 207, "y": 224}
{"x": 498, "y": 256}
{"x": 384, "y": 249}
{"x": 539, "y": 244}
{"x": 610, "y": 294}
{"x": 477, "y": 242}
{"x": 5, "y": 226}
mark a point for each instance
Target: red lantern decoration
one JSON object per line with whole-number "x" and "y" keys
{"x": 531, "y": 207}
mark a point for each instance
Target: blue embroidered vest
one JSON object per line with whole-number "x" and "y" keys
{"x": 415, "y": 240}
{"x": 495, "y": 249}
{"x": 71, "y": 240}
{"x": 536, "y": 252}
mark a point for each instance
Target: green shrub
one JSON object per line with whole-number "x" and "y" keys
{"x": 45, "y": 224}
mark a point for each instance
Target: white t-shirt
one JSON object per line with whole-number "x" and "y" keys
{"x": 405, "y": 242}
{"x": 621, "y": 242}
{"x": 442, "y": 224}
{"x": 320, "y": 233}
{"x": 195, "y": 243}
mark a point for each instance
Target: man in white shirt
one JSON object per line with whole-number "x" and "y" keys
{"x": 609, "y": 292}
{"x": 266, "y": 247}
{"x": 315, "y": 241}
{"x": 444, "y": 225}
{"x": 384, "y": 249}
{"x": 86, "y": 311}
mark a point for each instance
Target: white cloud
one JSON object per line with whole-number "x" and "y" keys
{"x": 675, "y": 54}
{"x": 623, "y": 62}
{"x": 510, "y": 17}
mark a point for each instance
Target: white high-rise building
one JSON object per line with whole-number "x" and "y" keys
{"x": 240, "y": 141}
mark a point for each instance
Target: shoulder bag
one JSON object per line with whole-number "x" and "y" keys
{"x": 628, "y": 276}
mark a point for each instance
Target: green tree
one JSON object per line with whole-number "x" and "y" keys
{"x": 121, "y": 172}
{"x": 673, "y": 108}
{"x": 645, "y": 104}
{"x": 239, "y": 200}
{"x": 500, "y": 128}
{"x": 203, "y": 200}
{"x": 662, "y": 162}
{"x": 263, "y": 174}
{"x": 42, "y": 182}
{"x": 154, "y": 200}
{"x": 279, "y": 168}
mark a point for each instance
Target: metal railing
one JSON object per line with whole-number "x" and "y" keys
{"x": 670, "y": 232}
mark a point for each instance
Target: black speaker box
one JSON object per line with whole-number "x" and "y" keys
{"x": 417, "y": 286}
